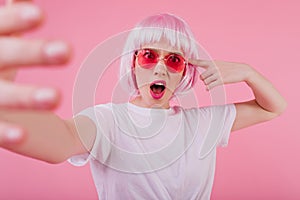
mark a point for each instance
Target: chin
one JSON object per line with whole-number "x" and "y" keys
{"x": 163, "y": 101}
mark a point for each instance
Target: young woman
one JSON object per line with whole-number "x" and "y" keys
{"x": 144, "y": 148}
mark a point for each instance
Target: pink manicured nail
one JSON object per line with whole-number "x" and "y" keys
{"x": 13, "y": 134}
{"x": 45, "y": 95}
{"x": 29, "y": 13}
{"x": 56, "y": 51}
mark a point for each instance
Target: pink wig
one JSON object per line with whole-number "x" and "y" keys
{"x": 153, "y": 29}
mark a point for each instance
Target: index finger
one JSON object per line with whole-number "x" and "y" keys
{"x": 199, "y": 63}
{"x": 19, "y": 17}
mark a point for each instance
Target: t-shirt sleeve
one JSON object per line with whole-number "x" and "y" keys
{"x": 99, "y": 151}
{"x": 216, "y": 126}
{"x": 229, "y": 114}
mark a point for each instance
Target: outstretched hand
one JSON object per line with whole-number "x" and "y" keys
{"x": 221, "y": 72}
{"x": 17, "y": 52}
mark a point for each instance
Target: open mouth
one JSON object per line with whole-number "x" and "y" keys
{"x": 157, "y": 89}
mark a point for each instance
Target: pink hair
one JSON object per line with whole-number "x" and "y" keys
{"x": 151, "y": 30}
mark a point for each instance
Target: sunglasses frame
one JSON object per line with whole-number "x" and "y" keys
{"x": 165, "y": 58}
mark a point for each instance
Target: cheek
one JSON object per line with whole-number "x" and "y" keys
{"x": 175, "y": 81}
{"x": 178, "y": 78}
{"x": 142, "y": 77}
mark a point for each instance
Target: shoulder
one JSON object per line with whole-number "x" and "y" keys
{"x": 101, "y": 112}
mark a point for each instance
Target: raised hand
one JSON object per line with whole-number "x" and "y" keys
{"x": 222, "y": 72}
{"x": 268, "y": 102}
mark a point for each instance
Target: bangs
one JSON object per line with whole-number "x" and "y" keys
{"x": 163, "y": 26}
{"x": 150, "y": 35}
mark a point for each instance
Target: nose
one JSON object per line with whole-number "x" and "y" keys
{"x": 160, "y": 68}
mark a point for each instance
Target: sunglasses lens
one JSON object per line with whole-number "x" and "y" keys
{"x": 147, "y": 58}
{"x": 175, "y": 63}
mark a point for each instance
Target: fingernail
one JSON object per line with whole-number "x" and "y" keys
{"x": 13, "y": 134}
{"x": 45, "y": 95}
{"x": 56, "y": 50}
{"x": 29, "y": 13}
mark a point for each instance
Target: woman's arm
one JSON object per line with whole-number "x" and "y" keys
{"x": 46, "y": 136}
{"x": 268, "y": 102}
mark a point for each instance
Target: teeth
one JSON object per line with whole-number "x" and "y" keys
{"x": 159, "y": 84}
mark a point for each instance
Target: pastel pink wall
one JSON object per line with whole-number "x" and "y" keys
{"x": 261, "y": 162}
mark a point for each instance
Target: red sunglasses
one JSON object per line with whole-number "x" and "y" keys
{"x": 148, "y": 58}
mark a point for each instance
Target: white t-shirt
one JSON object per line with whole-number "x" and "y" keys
{"x": 142, "y": 153}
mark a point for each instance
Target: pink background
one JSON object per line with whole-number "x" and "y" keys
{"x": 261, "y": 162}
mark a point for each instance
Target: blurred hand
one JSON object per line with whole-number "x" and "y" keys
{"x": 16, "y": 52}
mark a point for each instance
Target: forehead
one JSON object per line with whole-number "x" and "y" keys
{"x": 163, "y": 45}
